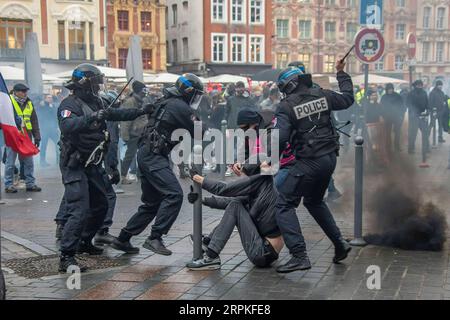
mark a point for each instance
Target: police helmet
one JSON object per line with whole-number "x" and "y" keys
{"x": 288, "y": 79}
{"x": 85, "y": 76}
{"x": 190, "y": 87}
{"x": 298, "y": 64}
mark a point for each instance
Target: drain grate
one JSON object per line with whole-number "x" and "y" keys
{"x": 42, "y": 266}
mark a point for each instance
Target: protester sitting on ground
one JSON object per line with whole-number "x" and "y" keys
{"x": 250, "y": 207}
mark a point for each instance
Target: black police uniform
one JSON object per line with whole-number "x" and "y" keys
{"x": 161, "y": 192}
{"x": 86, "y": 192}
{"x": 306, "y": 115}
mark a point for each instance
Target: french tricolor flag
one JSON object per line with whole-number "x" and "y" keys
{"x": 18, "y": 141}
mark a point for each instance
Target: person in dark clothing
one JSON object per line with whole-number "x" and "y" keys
{"x": 162, "y": 195}
{"x": 393, "y": 114}
{"x": 49, "y": 127}
{"x": 417, "y": 104}
{"x": 438, "y": 101}
{"x": 235, "y": 103}
{"x": 304, "y": 121}
{"x": 249, "y": 206}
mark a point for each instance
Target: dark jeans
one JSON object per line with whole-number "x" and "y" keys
{"x": 413, "y": 127}
{"x": 255, "y": 246}
{"x": 396, "y": 127}
{"x": 162, "y": 197}
{"x": 86, "y": 204}
{"x": 308, "y": 179}
{"x": 53, "y": 136}
{"x": 130, "y": 155}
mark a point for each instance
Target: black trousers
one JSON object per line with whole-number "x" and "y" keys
{"x": 396, "y": 127}
{"x": 256, "y": 247}
{"x": 414, "y": 124}
{"x": 86, "y": 204}
{"x": 307, "y": 179}
{"x": 162, "y": 198}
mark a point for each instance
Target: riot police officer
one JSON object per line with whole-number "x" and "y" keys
{"x": 84, "y": 138}
{"x": 304, "y": 121}
{"x": 162, "y": 195}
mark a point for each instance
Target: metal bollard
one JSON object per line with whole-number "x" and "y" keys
{"x": 433, "y": 123}
{"x": 223, "y": 164}
{"x": 359, "y": 172}
{"x": 424, "y": 133}
{"x": 197, "y": 228}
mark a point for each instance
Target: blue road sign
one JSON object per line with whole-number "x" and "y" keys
{"x": 371, "y": 13}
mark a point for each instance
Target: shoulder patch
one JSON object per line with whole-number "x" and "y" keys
{"x": 66, "y": 113}
{"x": 312, "y": 107}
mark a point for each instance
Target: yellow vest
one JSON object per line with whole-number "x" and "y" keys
{"x": 359, "y": 96}
{"x": 25, "y": 114}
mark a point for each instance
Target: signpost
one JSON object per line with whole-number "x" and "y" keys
{"x": 371, "y": 14}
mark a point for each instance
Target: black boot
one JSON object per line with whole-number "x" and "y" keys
{"x": 296, "y": 263}
{"x": 103, "y": 238}
{"x": 124, "y": 246}
{"x": 66, "y": 261}
{"x": 59, "y": 230}
{"x": 341, "y": 250}
{"x": 157, "y": 246}
{"x": 89, "y": 248}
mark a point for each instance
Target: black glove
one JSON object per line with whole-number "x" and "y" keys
{"x": 148, "y": 108}
{"x": 192, "y": 196}
{"x": 114, "y": 176}
{"x": 37, "y": 143}
{"x": 98, "y": 116}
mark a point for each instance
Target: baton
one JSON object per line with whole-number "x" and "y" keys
{"x": 120, "y": 93}
{"x": 346, "y": 55}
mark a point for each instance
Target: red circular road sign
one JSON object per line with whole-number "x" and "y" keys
{"x": 411, "y": 41}
{"x": 369, "y": 45}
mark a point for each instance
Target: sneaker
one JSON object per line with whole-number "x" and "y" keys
{"x": 103, "y": 238}
{"x": 332, "y": 196}
{"x": 157, "y": 246}
{"x": 34, "y": 188}
{"x": 124, "y": 246}
{"x": 67, "y": 261}
{"x": 21, "y": 185}
{"x": 59, "y": 230}
{"x": 229, "y": 172}
{"x": 206, "y": 263}
{"x": 132, "y": 177}
{"x": 10, "y": 190}
{"x": 296, "y": 263}
{"x": 125, "y": 180}
{"x": 89, "y": 248}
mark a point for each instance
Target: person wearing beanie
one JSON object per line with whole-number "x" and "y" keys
{"x": 393, "y": 114}
{"x": 438, "y": 102}
{"x": 130, "y": 131}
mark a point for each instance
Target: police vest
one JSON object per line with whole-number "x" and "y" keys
{"x": 25, "y": 114}
{"x": 315, "y": 133}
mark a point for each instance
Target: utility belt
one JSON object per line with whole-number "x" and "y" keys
{"x": 157, "y": 142}
{"x": 73, "y": 158}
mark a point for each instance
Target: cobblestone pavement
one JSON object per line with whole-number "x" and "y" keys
{"x": 29, "y": 231}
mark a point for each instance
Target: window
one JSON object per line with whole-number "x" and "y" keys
{"x": 330, "y": 31}
{"x": 440, "y": 17}
{"x": 91, "y": 40}
{"x": 425, "y": 51}
{"x": 304, "y": 29}
{"x": 400, "y": 3}
{"x": 257, "y": 49}
{"x": 351, "y": 30}
{"x": 330, "y": 2}
{"x": 185, "y": 49}
{"x": 61, "y": 40}
{"x": 122, "y": 57}
{"x": 426, "y": 17}
{"x": 440, "y": 52}
{"x": 400, "y": 31}
{"x": 219, "y": 48}
{"x": 238, "y": 48}
{"x": 219, "y": 10}
{"x": 351, "y": 3}
{"x": 77, "y": 41}
{"x": 146, "y": 21}
{"x": 185, "y": 6}
{"x": 328, "y": 63}
{"x": 174, "y": 15}
{"x": 379, "y": 65}
{"x": 257, "y": 11}
{"x": 399, "y": 62}
{"x": 306, "y": 59}
{"x": 282, "y": 28}
{"x": 238, "y": 10}
{"x": 122, "y": 20}
{"x": 282, "y": 60}
{"x": 174, "y": 50}
{"x": 147, "y": 59}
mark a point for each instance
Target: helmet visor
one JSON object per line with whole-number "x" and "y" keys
{"x": 196, "y": 99}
